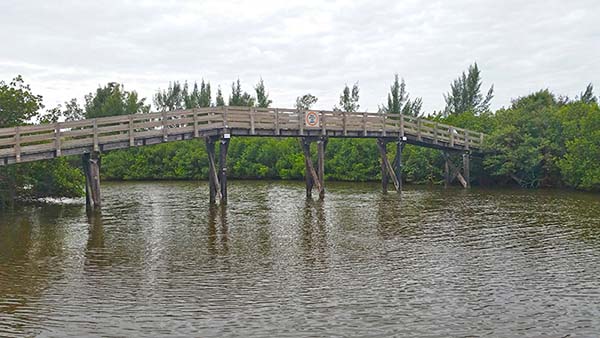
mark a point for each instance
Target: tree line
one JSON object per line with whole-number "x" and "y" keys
{"x": 539, "y": 140}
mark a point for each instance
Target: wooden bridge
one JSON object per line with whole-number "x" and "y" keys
{"x": 91, "y": 137}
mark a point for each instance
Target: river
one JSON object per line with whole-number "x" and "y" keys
{"x": 158, "y": 261}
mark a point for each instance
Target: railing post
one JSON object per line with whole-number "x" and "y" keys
{"x": 57, "y": 139}
{"x": 364, "y": 123}
{"x": 344, "y": 122}
{"x": 323, "y": 124}
{"x": 301, "y": 118}
{"x": 419, "y": 124}
{"x": 466, "y": 139}
{"x": 95, "y": 136}
{"x": 276, "y": 121}
{"x": 225, "y": 111}
{"x": 196, "y": 131}
{"x": 131, "y": 136}
{"x": 452, "y": 136}
{"x": 252, "y": 113}
{"x": 383, "y": 123}
{"x": 165, "y": 132}
{"x": 435, "y": 133}
{"x": 17, "y": 144}
{"x": 401, "y": 125}
{"x": 480, "y": 139}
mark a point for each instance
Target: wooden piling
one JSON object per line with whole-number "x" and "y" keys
{"x": 91, "y": 169}
{"x": 223, "y": 168}
{"x": 398, "y": 163}
{"x": 213, "y": 180}
{"x": 321, "y": 145}
{"x": 467, "y": 169}
{"x": 385, "y": 179}
{"x": 314, "y": 178}
{"x": 308, "y": 176}
{"x": 387, "y": 170}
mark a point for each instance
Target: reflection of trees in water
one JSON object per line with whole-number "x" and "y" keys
{"x": 314, "y": 232}
{"x": 33, "y": 239}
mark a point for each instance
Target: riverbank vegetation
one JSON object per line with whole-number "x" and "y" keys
{"x": 539, "y": 140}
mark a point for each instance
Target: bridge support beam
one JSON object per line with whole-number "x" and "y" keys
{"x": 388, "y": 172}
{"x": 452, "y": 172}
{"x": 314, "y": 177}
{"x": 91, "y": 169}
{"x": 223, "y": 167}
{"x": 398, "y": 163}
{"x": 217, "y": 172}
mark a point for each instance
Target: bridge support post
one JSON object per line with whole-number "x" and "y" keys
{"x": 451, "y": 171}
{"x": 398, "y": 163}
{"x": 91, "y": 169}
{"x": 314, "y": 177}
{"x": 387, "y": 170}
{"x": 321, "y": 144}
{"x": 223, "y": 167}
{"x": 213, "y": 180}
{"x": 466, "y": 157}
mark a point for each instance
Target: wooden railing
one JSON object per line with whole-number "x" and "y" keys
{"x": 130, "y": 130}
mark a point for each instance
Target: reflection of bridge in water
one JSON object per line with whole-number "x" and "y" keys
{"x": 217, "y": 124}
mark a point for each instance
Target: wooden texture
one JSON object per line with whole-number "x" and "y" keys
{"x": 38, "y": 142}
{"x": 91, "y": 169}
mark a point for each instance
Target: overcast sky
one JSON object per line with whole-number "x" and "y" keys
{"x": 66, "y": 49}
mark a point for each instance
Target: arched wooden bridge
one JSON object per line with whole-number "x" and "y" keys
{"x": 91, "y": 137}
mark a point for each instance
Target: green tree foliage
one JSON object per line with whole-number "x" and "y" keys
{"x": 349, "y": 99}
{"x": 305, "y": 101}
{"x": 588, "y": 95}
{"x": 18, "y": 105}
{"x": 399, "y": 102}
{"x": 113, "y": 100}
{"x": 220, "y": 102}
{"x": 178, "y": 96}
{"x": 239, "y": 98}
{"x": 580, "y": 166}
{"x": 71, "y": 112}
{"x": 262, "y": 97}
{"x": 465, "y": 94}
{"x": 52, "y": 178}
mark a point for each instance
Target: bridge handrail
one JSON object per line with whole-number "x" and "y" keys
{"x": 93, "y": 132}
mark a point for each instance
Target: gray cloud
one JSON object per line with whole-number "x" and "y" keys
{"x": 66, "y": 49}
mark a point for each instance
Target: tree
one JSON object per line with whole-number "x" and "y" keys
{"x": 113, "y": 100}
{"x": 349, "y": 99}
{"x": 262, "y": 97}
{"x": 588, "y": 95}
{"x": 205, "y": 95}
{"x": 239, "y": 98}
{"x": 18, "y": 104}
{"x": 171, "y": 98}
{"x": 398, "y": 101}
{"x": 220, "y": 102}
{"x": 71, "y": 112}
{"x": 306, "y": 101}
{"x": 465, "y": 94}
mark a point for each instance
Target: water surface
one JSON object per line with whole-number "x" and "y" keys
{"x": 158, "y": 261}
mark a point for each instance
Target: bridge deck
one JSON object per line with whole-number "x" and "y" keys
{"x": 38, "y": 142}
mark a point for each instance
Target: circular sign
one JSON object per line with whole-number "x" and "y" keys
{"x": 312, "y": 119}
